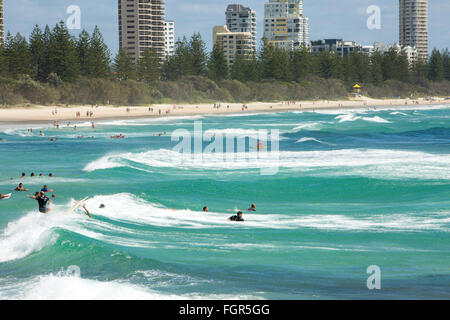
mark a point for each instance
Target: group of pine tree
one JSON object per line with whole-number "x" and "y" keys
{"x": 54, "y": 66}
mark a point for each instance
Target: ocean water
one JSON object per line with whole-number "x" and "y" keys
{"x": 353, "y": 189}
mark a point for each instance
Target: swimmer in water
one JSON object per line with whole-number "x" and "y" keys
{"x": 42, "y": 200}
{"x": 45, "y": 189}
{"x": 252, "y": 208}
{"x": 237, "y": 217}
{"x": 260, "y": 146}
{"x": 2, "y": 196}
{"x": 102, "y": 206}
{"x": 23, "y": 175}
{"x": 205, "y": 209}
{"x": 20, "y": 188}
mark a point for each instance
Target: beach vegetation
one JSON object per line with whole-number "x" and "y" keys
{"x": 54, "y": 67}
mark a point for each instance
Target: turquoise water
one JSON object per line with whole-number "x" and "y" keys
{"x": 354, "y": 188}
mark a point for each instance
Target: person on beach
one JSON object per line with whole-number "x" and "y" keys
{"x": 42, "y": 200}
{"x": 252, "y": 207}
{"x": 237, "y": 217}
{"x": 20, "y": 188}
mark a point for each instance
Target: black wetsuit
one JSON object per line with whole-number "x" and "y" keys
{"x": 42, "y": 204}
{"x": 236, "y": 218}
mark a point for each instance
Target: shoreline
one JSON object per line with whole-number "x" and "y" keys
{"x": 44, "y": 114}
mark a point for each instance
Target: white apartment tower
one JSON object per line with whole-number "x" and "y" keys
{"x": 141, "y": 26}
{"x": 241, "y": 19}
{"x": 2, "y": 25}
{"x": 169, "y": 38}
{"x": 285, "y": 26}
{"x": 414, "y": 26}
{"x": 233, "y": 44}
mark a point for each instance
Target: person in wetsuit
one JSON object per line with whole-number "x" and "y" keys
{"x": 42, "y": 200}
{"x": 237, "y": 217}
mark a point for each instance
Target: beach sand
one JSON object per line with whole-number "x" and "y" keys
{"x": 47, "y": 113}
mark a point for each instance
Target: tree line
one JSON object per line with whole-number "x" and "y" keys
{"x": 54, "y": 66}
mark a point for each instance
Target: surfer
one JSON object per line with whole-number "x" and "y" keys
{"x": 2, "y": 196}
{"x": 87, "y": 211}
{"x": 237, "y": 217}
{"x": 252, "y": 208}
{"x": 42, "y": 200}
{"x": 20, "y": 188}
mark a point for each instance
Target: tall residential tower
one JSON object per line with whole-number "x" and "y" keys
{"x": 169, "y": 38}
{"x": 285, "y": 26}
{"x": 414, "y": 26}
{"x": 241, "y": 19}
{"x": 2, "y": 25}
{"x": 141, "y": 26}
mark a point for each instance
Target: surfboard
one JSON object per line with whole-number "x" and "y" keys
{"x": 7, "y": 196}
{"x": 77, "y": 205}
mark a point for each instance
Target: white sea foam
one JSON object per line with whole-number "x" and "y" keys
{"x": 378, "y": 163}
{"x": 353, "y": 117}
{"x": 34, "y": 231}
{"x": 148, "y": 121}
{"x": 28, "y": 234}
{"x": 62, "y": 286}
{"x": 306, "y": 139}
{"x": 130, "y": 209}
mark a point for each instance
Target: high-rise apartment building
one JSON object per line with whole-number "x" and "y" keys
{"x": 141, "y": 26}
{"x": 169, "y": 38}
{"x": 414, "y": 26}
{"x": 2, "y": 25}
{"x": 233, "y": 44}
{"x": 285, "y": 26}
{"x": 242, "y": 19}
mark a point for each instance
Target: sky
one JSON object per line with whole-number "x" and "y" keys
{"x": 346, "y": 19}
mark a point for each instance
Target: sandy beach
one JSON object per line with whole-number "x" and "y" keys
{"x": 74, "y": 113}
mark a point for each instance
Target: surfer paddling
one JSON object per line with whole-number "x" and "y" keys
{"x": 237, "y": 217}
{"x": 3, "y": 196}
{"x": 42, "y": 200}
